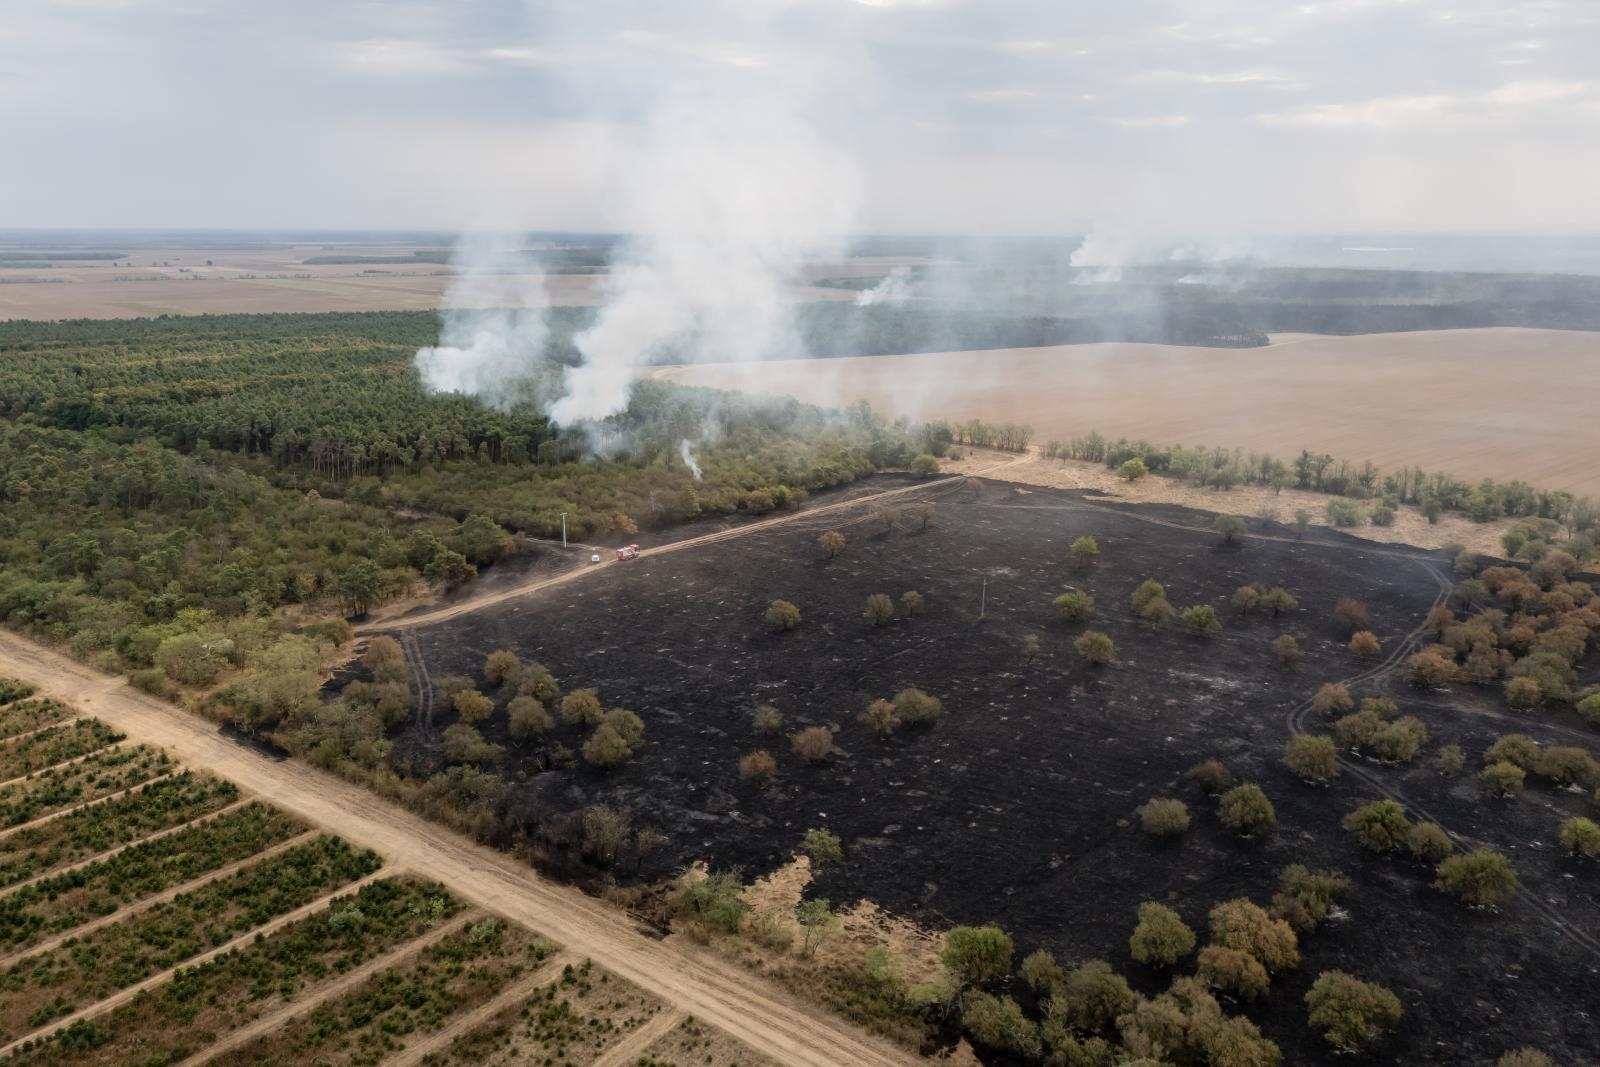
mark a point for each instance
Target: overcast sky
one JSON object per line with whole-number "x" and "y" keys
{"x": 1215, "y": 116}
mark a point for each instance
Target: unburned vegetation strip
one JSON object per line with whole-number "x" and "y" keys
{"x": 56, "y": 983}
{"x": 54, "y": 745}
{"x": 573, "y": 1020}
{"x": 75, "y": 897}
{"x": 199, "y": 1005}
{"x": 32, "y": 851}
{"x": 26, "y": 716}
{"x": 416, "y": 996}
{"x": 106, "y": 772}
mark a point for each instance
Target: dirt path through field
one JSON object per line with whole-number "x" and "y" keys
{"x": 500, "y": 596}
{"x": 744, "y": 1006}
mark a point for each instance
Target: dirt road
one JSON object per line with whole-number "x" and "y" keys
{"x": 723, "y": 996}
{"x": 478, "y": 603}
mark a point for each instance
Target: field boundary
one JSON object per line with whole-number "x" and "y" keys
{"x": 521, "y": 989}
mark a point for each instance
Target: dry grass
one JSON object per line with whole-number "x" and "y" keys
{"x": 692, "y": 1044}
{"x": 1490, "y": 403}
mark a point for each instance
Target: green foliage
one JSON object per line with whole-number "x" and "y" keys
{"x": 914, "y": 707}
{"x": 1350, "y": 1013}
{"x": 823, "y": 847}
{"x": 1381, "y": 826}
{"x": 1133, "y": 469}
{"x": 1161, "y": 938}
{"x": 1344, "y": 513}
{"x": 977, "y": 954}
{"x": 782, "y": 615}
{"x": 1580, "y": 836}
{"x": 606, "y": 748}
{"x": 1084, "y": 551}
{"x": 527, "y": 718}
{"x": 998, "y": 1023}
{"x": 1232, "y": 529}
{"x": 1429, "y": 842}
{"x": 1096, "y": 648}
{"x": 1163, "y": 817}
{"x": 1074, "y": 606}
{"x": 1312, "y": 758}
{"x": 925, "y": 465}
{"x": 1503, "y": 779}
{"x": 817, "y": 922}
{"x": 1246, "y": 810}
{"x": 880, "y": 609}
{"x": 581, "y": 707}
{"x": 1201, "y": 620}
{"x": 1480, "y": 878}
{"x": 713, "y": 903}
{"x": 766, "y": 719}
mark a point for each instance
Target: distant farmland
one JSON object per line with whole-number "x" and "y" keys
{"x": 1490, "y": 403}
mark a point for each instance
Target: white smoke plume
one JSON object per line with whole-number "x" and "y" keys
{"x": 493, "y": 329}
{"x": 726, "y": 205}
{"x": 895, "y": 288}
{"x": 688, "y": 458}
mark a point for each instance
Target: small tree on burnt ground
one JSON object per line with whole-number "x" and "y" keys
{"x": 1161, "y": 938}
{"x": 782, "y": 616}
{"x": 831, "y": 542}
{"x": 1074, "y": 606}
{"x": 1084, "y": 551}
{"x": 879, "y": 610}
{"x": 1352, "y": 613}
{"x": 911, "y": 603}
{"x": 1163, "y": 817}
{"x": 1096, "y": 648}
{"x": 1365, "y": 644}
{"x": 758, "y": 767}
{"x": 1286, "y": 649}
{"x": 813, "y": 744}
{"x": 1312, "y": 758}
{"x": 1246, "y": 810}
{"x": 1232, "y": 529}
{"x": 1350, "y": 1013}
{"x": 1479, "y": 879}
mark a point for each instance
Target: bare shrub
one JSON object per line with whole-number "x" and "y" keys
{"x": 1365, "y": 644}
{"x": 782, "y": 615}
{"x": 813, "y": 744}
{"x": 1212, "y": 776}
{"x": 1164, "y": 817}
{"x": 758, "y": 767}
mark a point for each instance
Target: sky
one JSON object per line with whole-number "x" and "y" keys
{"x": 1208, "y": 116}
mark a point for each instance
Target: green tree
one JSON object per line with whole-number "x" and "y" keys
{"x": 911, "y": 603}
{"x": 1350, "y": 1013}
{"x": 1084, "y": 551}
{"x": 831, "y": 542}
{"x": 1232, "y": 529}
{"x": 914, "y": 707}
{"x": 472, "y": 706}
{"x": 879, "y": 717}
{"x": 782, "y": 615}
{"x": 1163, "y": 817}
{"x": 606, "y": 748}
{"x": 361, "y": 586}
{"x": 1161, "y": 938}
{"x": 1074, "y": 606}
{"x": 527, "y": 718}
{"x": 1096, "y": 648}
{"x": 880, "y": 609}
{"x": 1581, "y": 836}
{"x": 581, "y": 707}
{"x": 1480, "y": 878}
{"x": 824, "y": 848}
{"x": 501, "y": 666}
{"x": 925, "y": 466}
{"x": 977, "y": 954}
{"x": 1246, "y": 810}
{"x": 1312, "y": 758}
{"x": 1201, "y": 620}
{"x": 817, "y": 923}
{"x": 1133, "y": 469}
{"x": 1381, "y": 825}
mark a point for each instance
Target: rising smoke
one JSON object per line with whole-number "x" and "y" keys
{"x": 728, "y": 191}
{"x": 687, "y": 455}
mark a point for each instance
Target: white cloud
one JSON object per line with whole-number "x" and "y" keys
{"x": 1149, "y": 122}
{"x": 1379, "y": 113}
{"x": 1001, "y": 96}
{"x": 1514, "y": 94}
{"x": 403, "y": 57}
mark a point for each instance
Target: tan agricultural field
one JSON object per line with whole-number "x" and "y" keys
{"x": 276, "y": 278}
{"x": 1489, "y": 403}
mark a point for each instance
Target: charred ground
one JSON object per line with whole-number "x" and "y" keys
{"x": 1018, "y": 807}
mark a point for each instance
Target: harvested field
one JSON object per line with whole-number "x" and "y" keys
{"x": 1496, "y": 403}
{"x": 1018, "y": 806}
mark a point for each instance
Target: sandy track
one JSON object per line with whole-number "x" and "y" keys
{"x": 744, "y": 1006}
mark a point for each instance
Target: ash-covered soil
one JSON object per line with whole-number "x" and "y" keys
{"x": 1018, "y": 806}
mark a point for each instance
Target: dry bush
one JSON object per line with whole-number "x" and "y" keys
{"x": 536, "y": 682}
{"x": 766, "y": 719}
{"x": 501, "y": 666}
{"x": 1480, "y": 878}
{"x": 813, "y": 744}
{"x": 606, "y": 748}
{"x": 527, "y": 718}
{"x": 1380, "y": 826}
{"x": 1236, "y": 973}
{"x": 472, "y": 706}
{"x": 1161, "y": 938}
{"x": 782, "y": 615}
{"x": 1244, "y": 926}
{"x": 1434, "y": 666}
{"x": 880, "y": 609}
{"x": 1246, "y": 810}
{"x": 911, "y": 603}
{"x": 1525, "y": 1057}
{"x": 1312, "y": 758}
{"x": 914, "y": 707}
{"x": 1352, "y": 613}
{"x": 1351, "y": 1013}
{"x": 1581, "y": 836}
{"x": 1286, "y": 648}
{"x": 1365, "y": 644}
{"x": 386, "y": 660}
{"x": 1503, "y": 780}
{"x": 1096, "y": 648}
{"x": 1212, "y": 776}
{"x": 1429, "y": 842}
{"x": 759, "y": 767}
{"x": 831, "y": 542}
{"x": 1246, "y": 599}
{"x": 1332, "y": 698}
{"x": 581, "y": 707}
{"x": 879, "y": 716}
{"x": 1163, "y": 817}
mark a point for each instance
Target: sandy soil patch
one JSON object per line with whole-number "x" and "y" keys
{"x": 1496, "y": 403}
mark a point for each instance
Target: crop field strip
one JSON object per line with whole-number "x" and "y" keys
{"x": 255, "y": 982}
{"x": 24, "y": 717}
{"x": 58, "y": 791}
{"x": 107, "y": 889}
{"x": 52, "y": 746}
{"x": 580, "y": 1019}
{"x": 84, "y": 834}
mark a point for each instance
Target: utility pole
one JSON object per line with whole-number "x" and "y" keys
{"x": 563, "y": 529}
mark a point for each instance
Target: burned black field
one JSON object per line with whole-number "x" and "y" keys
{"x": 1018, "y": 806}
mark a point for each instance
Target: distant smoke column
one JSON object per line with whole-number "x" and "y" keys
{"x": 726, "y": 204}
{"x": 688, "y": 458}
{"x": 492, "y": 330}
{"x": 895, "y": 288}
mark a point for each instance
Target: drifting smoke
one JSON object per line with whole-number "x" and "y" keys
{"x": 894, "y": 289}
{"x": 727, "y": 204}
{"x": 688, "y": 458}
{"x": 493, "y": 329}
